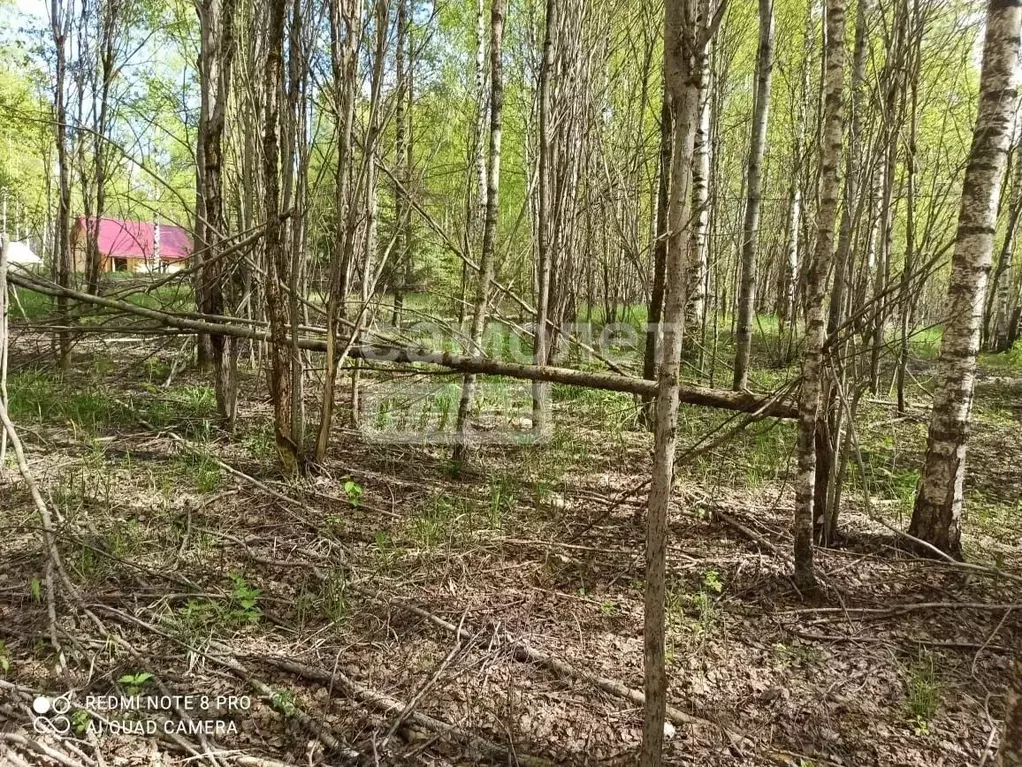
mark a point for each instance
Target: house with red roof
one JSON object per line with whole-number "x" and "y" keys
{"x": 132, "y": 246}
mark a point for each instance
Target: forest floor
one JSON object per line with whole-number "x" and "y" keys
{"x": 391, "y": 593}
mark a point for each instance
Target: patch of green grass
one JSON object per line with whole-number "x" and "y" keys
{"x": 31, "y": 304}
{"x": 436, "y": 523}
{"x": 923, "y": 691}
{"x": 39, "y": 397}
{"x": 191, "y": 409}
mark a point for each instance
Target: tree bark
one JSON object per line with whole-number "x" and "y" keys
{"x": 219, "y": 293}
{"x": 656, "y": 301}
{"x": 345, "y": 16}
{"x": 1010, "y": 752}
{"x": 699, "y": 262}
{"x": 60, "y": 22}
{"x": 816, "y": 291}
{"x": 487, "y": 257}
{"x": 540, "y": 391}
{"x": 401, "y": 144}
{"x": 936, "y": 518}
{"x": 683, "y": 38}
{"x": 1004, "y": 278}
{"x": 750, "y": 230}
{"x": 278, "y": 260}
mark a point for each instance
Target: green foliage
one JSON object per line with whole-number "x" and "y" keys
{"x": 284, "y": 702}
{"x": 39, "y": 397}
{"x": 923, "y": 691}
{"x": 133, "y": 683}
{"x": 354, "y": 492}
{"x": 244, "y": 598}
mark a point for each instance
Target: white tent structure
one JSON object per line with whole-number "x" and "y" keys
{"x": 20, "y": 254}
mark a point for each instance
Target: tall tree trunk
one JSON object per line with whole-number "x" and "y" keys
{"x": 401, "y": 144}
{"x": 108, "y": 20}
{"x": 683, "y": 39}
{"x": 278, "y": 260}
{"x": 905, "y": 301}
{"x": 936, "y": 518}
{"x": 656, "y": 301}
{"x": 1010, "y": 752}
{"x": 540, "y": 392}
{"x": 1004, "y": 277}
{"x": 893, "y": 116}
{"x": 487, "y": 258}
{"x": 345, "y": 16}
{"x": 816, "y": 292}
{"x": 216, "y": 25}
{"x": 829, "y": 438}
{"x": 60, "y": 21}
{"x": 750, "y": 231}
{"x": 698, "y": 266}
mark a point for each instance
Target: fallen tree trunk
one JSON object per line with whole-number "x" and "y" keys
{"x": 745, "y": 402}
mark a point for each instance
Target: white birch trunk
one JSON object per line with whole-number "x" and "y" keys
{"x": 757, "y": 147}
{"x": 816, "y": 290}
{"x": 936, "y": 518}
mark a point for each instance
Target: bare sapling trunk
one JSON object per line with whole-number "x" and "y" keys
{"x": 754, "y": 191}
{"x": 936, "y": 518}
{"x": 220, "y": 291}
{"x": 344, "y": 20}
{"x": 1004, "y": 277}
{"x": 699, "y": 263}
{"x": 829, "y": 439}
{"x": 278, "y": 260}
{"x": 487, "y": 259}
{"x": 1010, "y": 752}
{"x": 401, "y": 177}
{"x": 60, "y": 23}
{"x": 656, "y": 301}
{"x": 540, "y": 391}
{"x": 683, "y": 38}
{"x": 816, "y": 293}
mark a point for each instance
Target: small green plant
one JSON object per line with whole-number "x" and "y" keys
{"x": 37, "y": 589}
{"x": 196, "y": 618}
{"x": 922, "y": 693}
{"x": 502, "y": 499}
{"x": 335, "y": 600}
{"x": 244, "y": 598}
{"x": 284, "y": 702}
{"x": 5, "y": 658}
{"x": 435, "y": 523}
{"x": 80, "y": 719}
{"x": 133, "y": 683}
{"x": 386, "y": 553}
{"x": 353, "y": 490}
{"x": 712, "y": 581}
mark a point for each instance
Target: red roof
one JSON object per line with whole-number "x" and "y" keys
{"x": 134, "y": 239}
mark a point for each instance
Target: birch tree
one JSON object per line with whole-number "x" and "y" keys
{"x": 936, "y": 518}
{"x": 750, "y": 230}
{"x": 487, "y": 260}
{"x": 816, "y": 290}
{"x": 540, "y": 392}
{"x": 685, "y": 34}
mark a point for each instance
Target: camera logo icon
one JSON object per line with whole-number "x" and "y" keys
{"x": 49, "y": 715}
